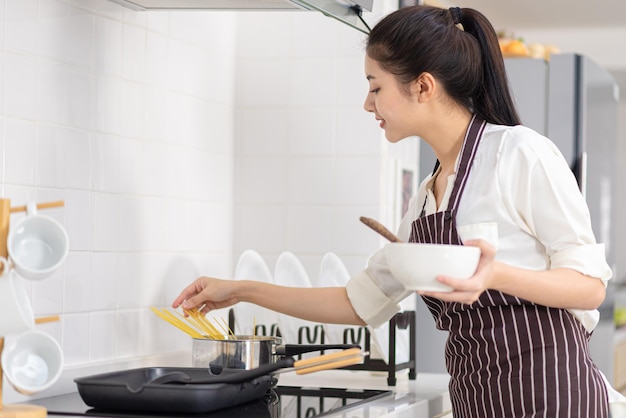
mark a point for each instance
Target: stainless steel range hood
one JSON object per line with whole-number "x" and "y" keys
{"x": 346, "y": 11}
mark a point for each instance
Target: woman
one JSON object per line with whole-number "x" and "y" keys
{"x": 519, "y": 328}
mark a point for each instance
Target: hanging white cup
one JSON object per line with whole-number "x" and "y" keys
{"x": 37, "y": 245}
{"x": 32, "y": 361}
{"x": 16, "y": 313}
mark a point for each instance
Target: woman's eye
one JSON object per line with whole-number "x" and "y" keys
{"x": 374, "y": 90}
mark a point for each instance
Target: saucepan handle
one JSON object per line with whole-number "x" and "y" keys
{"x": 295, "y": 349}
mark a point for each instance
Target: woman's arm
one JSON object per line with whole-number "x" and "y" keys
{"x": 557, "y": 288}
{"x": 325, "y": 305}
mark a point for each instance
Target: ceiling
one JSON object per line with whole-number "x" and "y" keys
{"x": 549, "y": 14}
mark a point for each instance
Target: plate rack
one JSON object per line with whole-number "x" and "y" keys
{"x": 400, "y": 321}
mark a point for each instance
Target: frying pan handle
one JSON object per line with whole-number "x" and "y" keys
{"x": 247, "y": 375}
{"x": 240, "y": 377}
{"x": 295, "y": 349}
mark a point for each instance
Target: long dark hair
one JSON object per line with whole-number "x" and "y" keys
{"x": 467, "y": 61}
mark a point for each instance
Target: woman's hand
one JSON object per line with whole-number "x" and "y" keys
{"x": 468, "y": 291}
{"x": 206, "y": 294}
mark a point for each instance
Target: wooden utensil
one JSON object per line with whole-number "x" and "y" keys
{"x": 380, "y": 228}
{"x": 45, "y": 205}
{"x": 45, "y": 319}
{"x": 329, "y": 361}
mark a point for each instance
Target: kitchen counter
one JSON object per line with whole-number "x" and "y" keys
{"x": 426, "y": 397}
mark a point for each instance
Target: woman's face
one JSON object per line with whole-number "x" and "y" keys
{"x": 389, "y": 103}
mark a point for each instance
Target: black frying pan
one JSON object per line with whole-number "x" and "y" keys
{"x": 192, "y": 389}
{"x": 110, "y": 391}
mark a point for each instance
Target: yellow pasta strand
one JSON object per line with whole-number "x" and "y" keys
{"x": 194, "y": 323}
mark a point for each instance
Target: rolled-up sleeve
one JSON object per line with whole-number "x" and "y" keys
{"x": 588, "y": 259}
{"x": 374, "y": 293}
{"x": 547, "y": 203}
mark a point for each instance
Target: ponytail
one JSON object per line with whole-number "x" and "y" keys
{"x": 457, "y": 46}
{"x": 494, "y": 101}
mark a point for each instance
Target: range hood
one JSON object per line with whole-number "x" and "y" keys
{"x": 346, "y": 11}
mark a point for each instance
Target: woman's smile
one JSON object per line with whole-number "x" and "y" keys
{"x": 390, "y": 105}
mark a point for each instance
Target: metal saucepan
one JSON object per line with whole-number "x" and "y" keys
{"x": 249, "y": 352}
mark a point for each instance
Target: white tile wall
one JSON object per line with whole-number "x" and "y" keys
{"x": 264, "y": 35}
{"x": 20, "y": 85}
{"x": 128, "y": 118}
{"x": 76, "y": 289}
{"x": 311, "y": 132}
{"x": 263, "y": 131}
{"x": 311, "y": 181}
{"x": 20, "y": 25}
{"x": 309, "y": 159}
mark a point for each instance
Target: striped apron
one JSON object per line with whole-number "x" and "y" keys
{"x": 508, "y": 357}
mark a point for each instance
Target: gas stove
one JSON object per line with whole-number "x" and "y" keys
{"x": 278, "y": 402}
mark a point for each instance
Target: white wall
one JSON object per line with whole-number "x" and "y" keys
{"x": 128, "y": 118}
{"x": 309, "y": 159}
{"x": 307, "y": 154}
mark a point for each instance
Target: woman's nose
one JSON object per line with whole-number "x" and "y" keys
{"x": 368, "y": 105}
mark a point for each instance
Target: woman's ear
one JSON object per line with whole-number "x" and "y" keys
{"x": 424, "y": 87}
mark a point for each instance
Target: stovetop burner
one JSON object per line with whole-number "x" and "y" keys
{"x": 279, "y": 402}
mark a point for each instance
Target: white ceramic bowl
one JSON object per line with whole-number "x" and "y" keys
{"x": 32, "y": 361}
{"x": 37, "y": 246}
{"x": 418, "y": 265}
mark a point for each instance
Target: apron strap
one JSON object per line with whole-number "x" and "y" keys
{"x": 470, "y": 145}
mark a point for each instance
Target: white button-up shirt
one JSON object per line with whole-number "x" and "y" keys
{"x": 522, "y": 197}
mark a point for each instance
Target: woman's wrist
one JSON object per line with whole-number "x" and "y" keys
{"x": 500, "y": 280}
{"x": 246, "y": 291}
